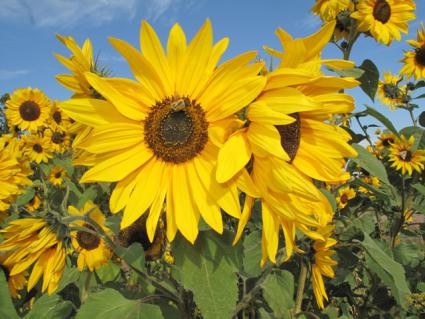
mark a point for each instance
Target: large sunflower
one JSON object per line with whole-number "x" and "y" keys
{"x": 384, "y": 19}
{"x": 389, "y": 92}
{"x": 31, "y": 242}
{"x": 28, "y": 109}
{"x": 414, "y": 61}
{"x": 92, "y": 250}
{"x": 290, "y": 142}
{"x": 404, "y": 157}
{"x": 159, "y": 137}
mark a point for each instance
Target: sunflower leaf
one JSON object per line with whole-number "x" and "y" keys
{"x": 370, "y": 78}
{"x": 382, "y": 118}
{"x": 52, "y": 307}
{"x": 278, "y": 291}
{"x": 110, "y": 304}
{"x": 252, "y": 254}
{"x": 6, "y": 309}
{"x": 370, "y": 163}
{"x": 208, "y": 269}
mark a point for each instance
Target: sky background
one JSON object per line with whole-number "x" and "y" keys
{"x": 28, "y": 28}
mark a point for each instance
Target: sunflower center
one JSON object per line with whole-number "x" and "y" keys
{"x": 58, "y": 174}
{"x": 406, "y": 155}
{"x": 57, "y": 117}
{"x": 176, "y": 129}
{"x": 290, "y": 136}
{"x": 37, "y": 148}
{"x": 29, "y": 111}
{"x": 87, "y": 240}
{"x": 387, "y": 142}
{"x": 57, "y": 138}
{"x": 391, "y": 91}
{"x": 382, "y": 11}
{"x": 344, "y": 198}
{"x": 420, "y": 56}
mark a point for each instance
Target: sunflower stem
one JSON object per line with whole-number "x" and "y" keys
{"x": 86, "y": 287}
{"x": 300, "y": 289}
{"x": 399, "y": 222}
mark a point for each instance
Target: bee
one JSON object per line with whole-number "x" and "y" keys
{"x": 180, "y": 104}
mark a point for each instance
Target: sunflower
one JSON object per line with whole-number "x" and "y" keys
{"x": 56, "y": 175}
{"x": 384, "y": 19}
{"x": 16, "y": 282}
{"x": 92, "y": 250}
{"x": 371, "y": 180}
{"x": 58, "y": 120}
{"x": 60, "y": 141}
{"x": 38, "y": 148}
{"x": 323, "y": 264}
{"x": 329, "y": 9}
{"x": 385, "y": 140}
{"x": 33, "y": 204}
{"x": 290, "y": 143}
{"x": 13, "y": 177}
{"x": 389, "y": 92}
{"x": 31, "y": 242}
{"x": 159, "y": 138}
{"x": 345, "y": 194}
{"x": 404, "y": 157}
{"x": 28, "y": 109}
{"x": 414, "y": 61}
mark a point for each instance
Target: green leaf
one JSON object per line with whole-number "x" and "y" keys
{"x": 387, "y": 269}
{"x": 110, "y": 304}
{"x": 353, "y": 72}
{"x": 421, "y": 119}
{"x": 70, "y": 275}
{"x": 134, "y": 255}
{"x": 89, "y": 194}
{"x": 50, "y": 307}
{"x": 418, "y": 134}
{"x": 108, "y": 272}
{"x": 370, "y": 78}
{"x": 420, "y": 96}
{"x": 208, "y": 269}
{"x": 7, "y": 310}
{"x": 408, "y": 254}
{"x": 25, "y": 197}
{"x": 252, "y": 254}
{"x": 420, "y": 188}
{"x": 370, "y": 163}
{"x": 382, "y": 118}
{"x": 278, "y": 291}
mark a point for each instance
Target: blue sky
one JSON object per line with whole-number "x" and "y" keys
{"x": 27, "y": 31}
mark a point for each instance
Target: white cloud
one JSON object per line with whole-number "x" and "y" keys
{"x": 11, "y": 74}
{"x": 65, "y": 13}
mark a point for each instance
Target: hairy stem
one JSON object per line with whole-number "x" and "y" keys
{"x": 300, "y": 289}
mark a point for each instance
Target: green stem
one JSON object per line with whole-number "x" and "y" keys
{"x": 412, "y": 117}
{"x": 300, "y": 289}
{"x": 86, "y": 287}
{"x": 364, "y": 131}
{"x": 400, "y": 222}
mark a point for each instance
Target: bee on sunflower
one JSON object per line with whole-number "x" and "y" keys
{"x": 389, "y": 92}
{"x": 32, "y": 242}
{"x": 92, "y": 250}
{"x": 414, "y": 61}
{"x": 56, "y": 175}
{"x": 384, "y": 19}
{"x": 404, "y": 158}
{"x": 28, "y": 109}
{"x": 344, "y": 196}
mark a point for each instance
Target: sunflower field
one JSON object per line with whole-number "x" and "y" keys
{"x": 214, "y": 189}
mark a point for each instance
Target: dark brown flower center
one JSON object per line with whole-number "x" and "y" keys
{"x": 344, "y": 198}
{"x": 57, "y": 117}
{"x": 176, "y": 129}
{"x": 57, "y": 138}
{"x": 37, "y": 148}
{"x": 420, "y": 56}
{"x": 290, "y": 136}
{"x": 391, "y": 91}
{"x": 58, "y": 174}
{"x": 88, "y": 240}
{"x": 382, "y": 11}
{"x": 387, "y": 141}
{"x": 29, "y": 111}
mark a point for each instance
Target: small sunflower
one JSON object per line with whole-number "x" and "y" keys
{"x": 329, "y": 9}
{"x": 323, "y": 264}
{"x": 28, "y": 109}
{"x": 58, "y": 120}
{"x": 414, "y": 61}
{"x": 389, "y": 92}
{"x": 16, "y": 282}
{"x": 371, "y": 180}
{"x": 385, "y": 140}
{"x": 56, "y": 175}
{"x": 404, "y": 158}
{"x": 92, "y": 250}
{"x": 38, "y": 148}
{"x": 33, "y": 204}
{"x": 60, "y": 141}
{"x": 384, "y": 19}
{"x": 344, "y": 195}
{"x": 31, "y": 242}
